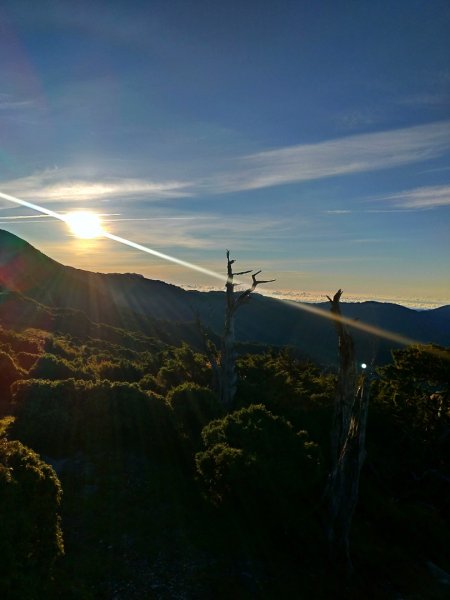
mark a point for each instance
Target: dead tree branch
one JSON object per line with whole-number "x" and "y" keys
{"x": 228, "y": 374}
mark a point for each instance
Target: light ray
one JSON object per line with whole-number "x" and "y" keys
{"x": 177, "y": 261}
{"x": 115, "y": 238}
{"x": 41, "y": 209}
{"x": 366, "y": 327}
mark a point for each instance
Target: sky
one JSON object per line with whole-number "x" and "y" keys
{"x": 312, "y": 139}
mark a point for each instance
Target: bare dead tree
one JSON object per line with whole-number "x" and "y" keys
{"x": 348, "y": 436}
{"x": 223, "y": 361}
{"x": 226, "y": 365}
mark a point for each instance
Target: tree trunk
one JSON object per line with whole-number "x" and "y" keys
{"x": 228, "y": 373}
{"x": 347, "y": 445}
{"x": 228, "y": 362}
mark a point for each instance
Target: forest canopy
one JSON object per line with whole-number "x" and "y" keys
{"x": 133, "y": 433}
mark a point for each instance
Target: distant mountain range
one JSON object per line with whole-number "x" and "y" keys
{"x": 40, "y": 292}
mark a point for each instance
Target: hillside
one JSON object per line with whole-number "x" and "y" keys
{"x": 133, "y": 302}
{"x": 122, "y": 475}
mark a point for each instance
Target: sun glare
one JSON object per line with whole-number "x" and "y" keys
{"x": 84, "y": 224}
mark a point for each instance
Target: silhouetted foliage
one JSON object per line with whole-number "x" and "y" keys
{"x": 150, "y": 383}
{"x": 416, "y": 388}
{"x": 30, "y": 532}
{"x": 26, "y": 359}
{"x": 9, "y": 372}
{"x": 180, "y": 365}
{"x": 61, "y": 417}
{"x": 287, "y": 386}
{"x": 123, "y": 370}
{"x": 193, "y": 407}
{"x": 51, "y": 367}
{"x": 411, "y": 413}
{"x": 122, "y": 432}
{"x": 252, "y": 454}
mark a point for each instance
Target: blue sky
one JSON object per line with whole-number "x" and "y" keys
{"x": 310, "y": 138}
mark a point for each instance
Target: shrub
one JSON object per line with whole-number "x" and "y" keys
{"x": 51, "y": 367}
{"x": 62, "y": 417}
{"x": 193, "y": 407}
{"x": 123, "y": 370}
{"x": 181, "y": 365}
{"x": 253, "y": 454}
{"x": 149, "y": 383}
{"x": 26, "y": 359}
{"x": 9, "y": 372}
{"x": 30, "y": 532}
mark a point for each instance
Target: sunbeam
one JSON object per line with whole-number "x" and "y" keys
{"x": 366, "y": 327}
{"x": 177, "y": 261}
{"x": 115, "y": 238}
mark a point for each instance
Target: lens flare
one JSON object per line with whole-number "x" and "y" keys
{"x": 371, "y": 329}
{"x": 115, "y": 238}
{"x": 366, "y": 327}
{"x": 177, "y": 261}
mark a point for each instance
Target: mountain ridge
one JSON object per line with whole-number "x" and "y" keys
{"x": 132, "y": 301}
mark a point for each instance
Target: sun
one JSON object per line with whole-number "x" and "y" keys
{"x": 84, "y": 224}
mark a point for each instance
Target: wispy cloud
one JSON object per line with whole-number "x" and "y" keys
{"x": 63, "y": 185}
{"x": 422, "y": 197}
{"x": 165, "y": 229}
{"x": 343, "y": 156}
{"x": 11, "y": 103}
{"x": 208, "y": 231}
{"x": 292, "y": 164}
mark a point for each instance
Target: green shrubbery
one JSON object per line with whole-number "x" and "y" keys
{"x": 9, "y": 372}
{"x": 193, "y": 406}
{"x": 30, "y": 531}
{"x": 49, "y": 366}
{"x": 63, "y": 417}
{"x": 291, "y": 388}
{"x": 122, "y": 370}
{"x": 181, "y": 365}
{"x": 134, "y": 416}
{"x": 258, "y": 462}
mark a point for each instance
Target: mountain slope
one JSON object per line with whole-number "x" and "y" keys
{"x": 138, "y": 304}
{"x": 101, "y": 296}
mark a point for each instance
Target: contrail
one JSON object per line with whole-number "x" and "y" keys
{"x": 366, "y": 327}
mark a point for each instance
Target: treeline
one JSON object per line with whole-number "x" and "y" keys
{"x": 166, "y": 493}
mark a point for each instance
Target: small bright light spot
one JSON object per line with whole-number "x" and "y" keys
{"x": 363, "y": 366}
{"x": 84, "y": 224}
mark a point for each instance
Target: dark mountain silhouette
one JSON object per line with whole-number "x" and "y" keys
{"x": 104, "y": 297}
{"x": 167, "y": 312}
